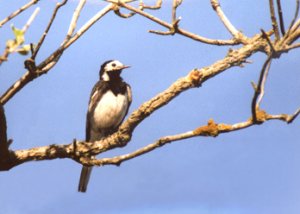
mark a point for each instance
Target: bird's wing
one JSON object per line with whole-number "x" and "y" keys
{"x": 95, "y": 96}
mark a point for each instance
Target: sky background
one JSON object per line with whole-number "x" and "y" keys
{"x": 256, "y": 170}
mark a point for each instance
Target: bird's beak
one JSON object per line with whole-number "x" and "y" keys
{"x": 125, "y": 66}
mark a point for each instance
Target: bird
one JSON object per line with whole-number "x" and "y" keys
{"x": 109, "y": 102}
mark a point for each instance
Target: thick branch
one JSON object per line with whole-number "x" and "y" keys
{"x": 122, "y": 137}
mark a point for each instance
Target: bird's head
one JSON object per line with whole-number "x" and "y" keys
{"x": 111, "y": 69}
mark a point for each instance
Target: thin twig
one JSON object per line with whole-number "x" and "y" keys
{"x": 57, "y": 7}
{"x": 123, "y": 15}
{"x": 74, "y": 20}
{"x": 216, "y": 6}
{"x": 295, "y": 16}
{"x": 8, "y": 50}
{"x": 259, "y": 89}
{"x": 175, "y": 5}
{"x": 157, "y": 5}
{"x": 280, "y": 14}
{"x": 17, "y": 12}
{"x": 30, "y": 20}
{"x": 274, "y": 21}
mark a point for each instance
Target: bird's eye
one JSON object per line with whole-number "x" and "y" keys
{"x": 113, "y": 65}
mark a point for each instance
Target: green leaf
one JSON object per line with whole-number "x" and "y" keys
{"x": 19, "y": 35}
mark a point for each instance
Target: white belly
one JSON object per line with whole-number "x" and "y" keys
{"x": 110, "y": 111}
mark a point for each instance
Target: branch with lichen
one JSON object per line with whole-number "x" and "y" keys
{"x": 80, "y": 151}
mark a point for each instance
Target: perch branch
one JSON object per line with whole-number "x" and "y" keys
{"x": 119, "y": 139}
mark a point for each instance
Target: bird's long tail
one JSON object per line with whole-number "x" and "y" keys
{"x": 84, "y": 178}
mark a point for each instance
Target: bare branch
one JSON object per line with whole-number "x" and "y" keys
{"x": 179, "y": 30}
{"x": 51, "y": 61}
{"x": 30, "y": 20}
{"x": 75, "y": 19}
{"x": 176, "y": 3}
{"x": 122, "y": 15}
{"x": 57, "y": 7}
{"x": 234, "y": 32}
{"x": 295, "y": 16}
{"x": 274, "y": 21}
{"x": 281, "y": 21}
{"x": 155, "y": 7}
{"x": 285, "y": 117}
{"x": 3, "y": 133}
{"x": 210, "y": 130}
{"x": 17, "y": 12}
{"x": 265, "y": 36}
{"x": 259, "y": 89}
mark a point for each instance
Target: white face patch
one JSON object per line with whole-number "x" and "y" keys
{"x": 111, "y": 67}
{"x": 105, "y": 77}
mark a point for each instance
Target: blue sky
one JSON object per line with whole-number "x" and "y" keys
{"x": 250, "y": 171}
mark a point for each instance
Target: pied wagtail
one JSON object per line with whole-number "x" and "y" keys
{"x": 109, "y": 103}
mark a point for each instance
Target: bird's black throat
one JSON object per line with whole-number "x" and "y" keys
{"x": 116, "y": 83}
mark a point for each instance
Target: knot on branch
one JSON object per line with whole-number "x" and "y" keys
{"x": 211, "y": 129}
{"x": 260, "y": 116}
{"x": 214, "y": 4}
{"x": 195, "y": 76}
{"x": 30, "y": 65}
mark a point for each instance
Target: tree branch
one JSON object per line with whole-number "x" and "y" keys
{"x": 234, "y": 32}
{"x": 75, "y": 19}
{"x": 51, "y": 61}
{"x": 281, "y": 22}
{"x": 274, "y": 21}
{"x": 259, "y": 89}
{"x": 210, "y": 130}
{"x": 179, "y": 30}
{"x": 4, "y": 144}
{"x": 17, "y": 12}
{"x": 57, "y": 7}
